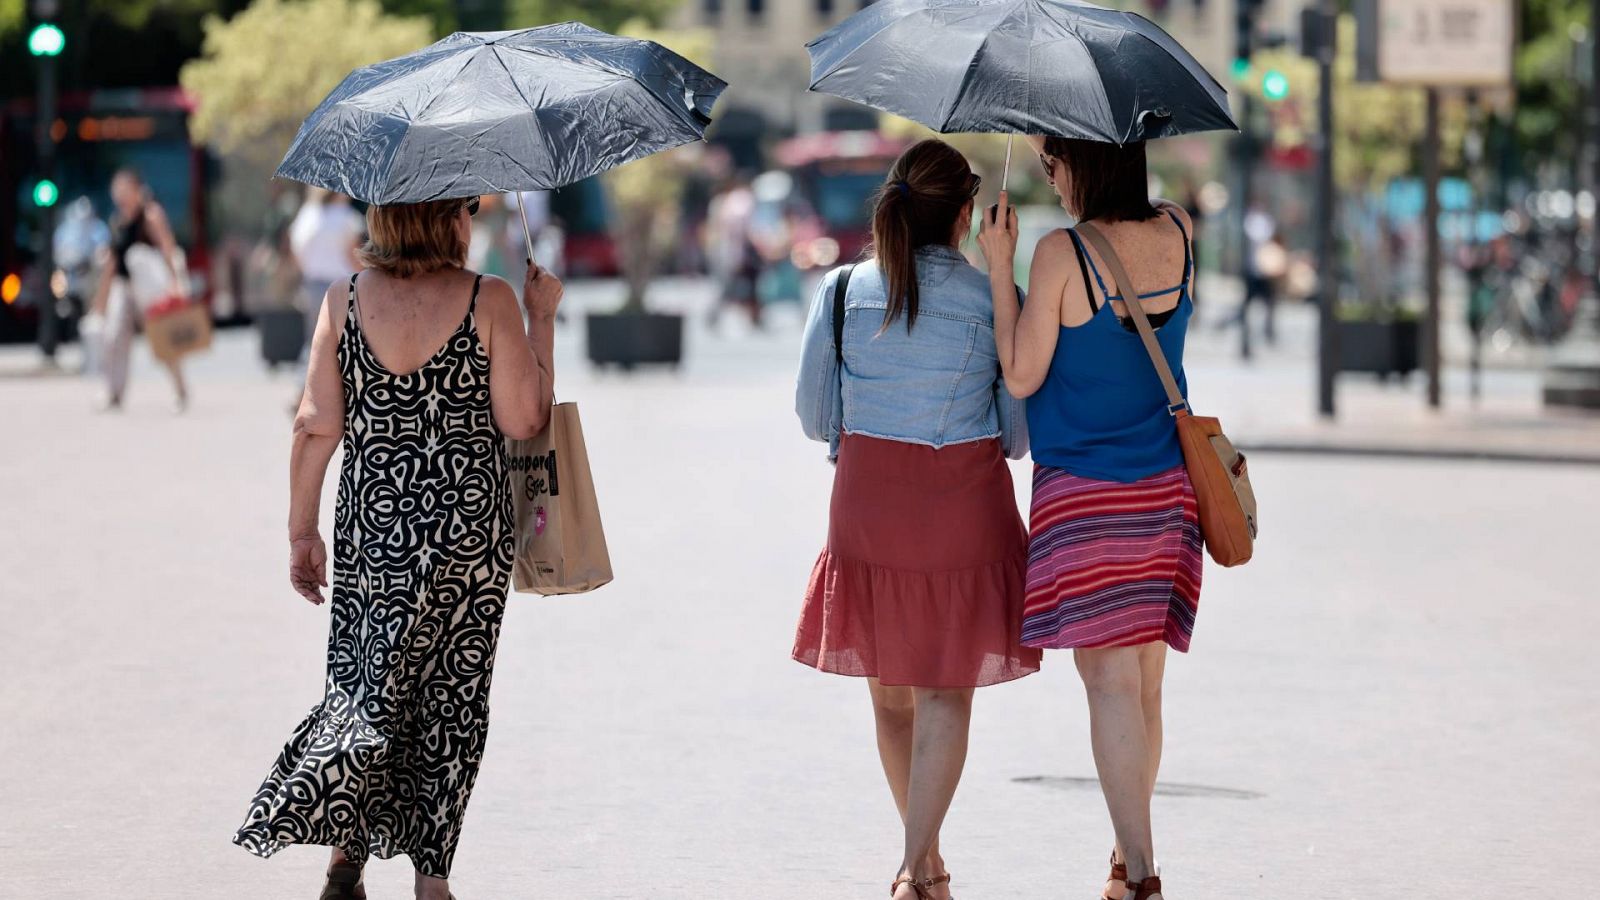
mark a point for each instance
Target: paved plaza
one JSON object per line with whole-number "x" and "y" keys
{"x": 1396, "y": 698}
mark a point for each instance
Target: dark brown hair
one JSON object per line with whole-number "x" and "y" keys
{"x": 408, "y": 239}
{"x": 919, "y": 204}
{"x": 1106, "y": 182}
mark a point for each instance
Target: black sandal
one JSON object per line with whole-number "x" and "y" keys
{"x": 344, "y": 883}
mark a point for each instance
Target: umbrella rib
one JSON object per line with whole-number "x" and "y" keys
{"x": 848, "y": 56}
{"x": 549, "y": 151}
{"x": 961, "y": 89}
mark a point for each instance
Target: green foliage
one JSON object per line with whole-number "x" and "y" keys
{"x": 606, "y": 15}
{"x": 647, "y": 194}
{"x": 1549, "y": 97}
{"x": 263, "y": 71}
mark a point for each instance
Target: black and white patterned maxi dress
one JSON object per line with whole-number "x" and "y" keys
{"x": 421, "y": 553}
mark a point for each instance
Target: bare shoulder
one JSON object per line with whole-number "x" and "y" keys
{"x": 337, "y": 304}
{"x": 1054, "y": 252}
{"x": 1176, "y": 210}
{"x": 495, "y": 294}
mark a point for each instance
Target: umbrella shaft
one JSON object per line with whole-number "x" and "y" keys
{"x": 1005, "y": 175}
{"x": 527, "y": 236}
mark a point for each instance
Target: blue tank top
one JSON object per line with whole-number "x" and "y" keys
{"x": 1101, "y": 412}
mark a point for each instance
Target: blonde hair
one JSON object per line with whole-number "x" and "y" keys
{"x": 409, "y": 239}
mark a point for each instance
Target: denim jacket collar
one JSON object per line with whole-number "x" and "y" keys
{"x": 942, "y": 252}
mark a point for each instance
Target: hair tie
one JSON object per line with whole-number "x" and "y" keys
{"x": 902, "y": 187}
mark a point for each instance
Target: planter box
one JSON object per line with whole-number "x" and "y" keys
{"x": 630, "y": 339}
{"x": 283, "y": 335}
{"x": 1384, "y": 348}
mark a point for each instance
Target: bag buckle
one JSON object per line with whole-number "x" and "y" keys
{"x": 1172, "y": 408}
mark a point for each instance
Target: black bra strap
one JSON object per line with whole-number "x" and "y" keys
{"x": 1083, "y": 266}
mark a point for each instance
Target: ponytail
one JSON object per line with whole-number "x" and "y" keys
{"x": 897, "y": 255}
{"x": 927, "y": 189}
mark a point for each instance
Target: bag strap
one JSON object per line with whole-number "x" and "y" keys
{"x": 1130, "y": 298}
{"x": 840, "y": 286}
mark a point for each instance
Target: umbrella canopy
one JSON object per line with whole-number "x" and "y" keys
{"x": 502, "y": 111}
{"x": 1056, "y": 67}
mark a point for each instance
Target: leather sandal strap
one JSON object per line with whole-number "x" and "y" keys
{"x": 919, "y": 887}
{"x": 1145, "y": 888}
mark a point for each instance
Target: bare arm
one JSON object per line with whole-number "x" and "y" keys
{"x": 318, "y": 427}
{"x": 522, "y": 368}
{"x": 1025, "y": 338}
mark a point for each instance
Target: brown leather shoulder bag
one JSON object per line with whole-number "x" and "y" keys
{"x": 1216, "y": 468}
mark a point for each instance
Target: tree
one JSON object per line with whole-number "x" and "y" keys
{"x": 647, "y": 194}
{"x": 606, "y": 15}
{"x": 262, "y": 72}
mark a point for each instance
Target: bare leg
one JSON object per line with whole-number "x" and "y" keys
{"x": 430, "y": 888}
{"x": 938, "y": 753}
{"x": 894, "y": 711}
{"x": 1152, "y": 671}
{"x": 338, "y": 857}
{"x": 179, "y": 387}
{"x": 1111, "y": 678}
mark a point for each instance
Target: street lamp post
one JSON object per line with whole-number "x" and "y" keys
{"x": 1573, "y": 376}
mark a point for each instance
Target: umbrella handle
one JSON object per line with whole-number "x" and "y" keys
{"x": 1005, "y": 175}
{"x": 527, "y": 236}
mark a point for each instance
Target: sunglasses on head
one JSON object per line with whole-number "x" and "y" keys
{"x": 977, "y": 182}
{"x": 471, "y": 206}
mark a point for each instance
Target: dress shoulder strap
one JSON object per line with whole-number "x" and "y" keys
{"x": 354, "y": 312}
{"x": 472, "y": 305}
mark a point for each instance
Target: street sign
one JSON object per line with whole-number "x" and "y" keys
{"x": 1445, "y": 43}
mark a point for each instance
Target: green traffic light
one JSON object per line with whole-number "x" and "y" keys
{"x": 45, "y": 193}
{"x": 1241, "y": 68}
{"x": 46, "y": 40}
{"x": 1274, "y": 85}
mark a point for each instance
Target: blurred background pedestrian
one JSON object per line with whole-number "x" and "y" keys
{"x": 146, "y": 267}
{"x": 323, "y": 237}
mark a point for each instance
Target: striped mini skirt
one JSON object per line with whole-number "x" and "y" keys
{"x": 1111, "y": 564}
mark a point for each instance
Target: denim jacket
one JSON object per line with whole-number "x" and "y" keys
{"x": 939, "y": 384}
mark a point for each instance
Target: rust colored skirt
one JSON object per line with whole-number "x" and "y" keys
{"x": 923, "y": 579}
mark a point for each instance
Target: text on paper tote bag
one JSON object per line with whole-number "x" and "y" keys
{"x": 1216, "y": 468}
{"x": 560, "y": 545}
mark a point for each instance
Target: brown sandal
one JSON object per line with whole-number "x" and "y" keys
{"x": 343, "y": 883}
{"x": 1119, "y": 872}
{"x": 920, "y": 887}
{"x": 1145, "y": 889}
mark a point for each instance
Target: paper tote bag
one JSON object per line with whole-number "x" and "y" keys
{"x": 560, "y": 546}
{"x": 176, "y": 328}
{"x": 1216, "y": 468}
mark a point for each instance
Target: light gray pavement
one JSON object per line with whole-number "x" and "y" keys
{"x": 1397, "y": 696}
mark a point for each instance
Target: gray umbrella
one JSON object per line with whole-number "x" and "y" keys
{"x": 496, "y": 112}
{"x": 1054, "y": 67}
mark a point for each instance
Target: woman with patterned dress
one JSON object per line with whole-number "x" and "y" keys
{"x": 1114, "y": 537}
{"x": 920, "y": 586}
{"x": 421, "y": 369}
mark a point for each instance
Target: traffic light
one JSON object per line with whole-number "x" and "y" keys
{"x": 45, "y": 193}
{"x": 1244, "y": 35}
{"x": 1274, "y": 85}
{"x": 46, "y": 39}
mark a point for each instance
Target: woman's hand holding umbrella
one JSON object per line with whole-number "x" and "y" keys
{"x": 541, "y": 293}
{"x": 997, "y": 237}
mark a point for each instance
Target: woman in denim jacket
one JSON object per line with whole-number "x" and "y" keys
{"x": 921, "y": 584}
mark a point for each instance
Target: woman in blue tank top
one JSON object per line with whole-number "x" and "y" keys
{"x": 1114, "y": 537}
